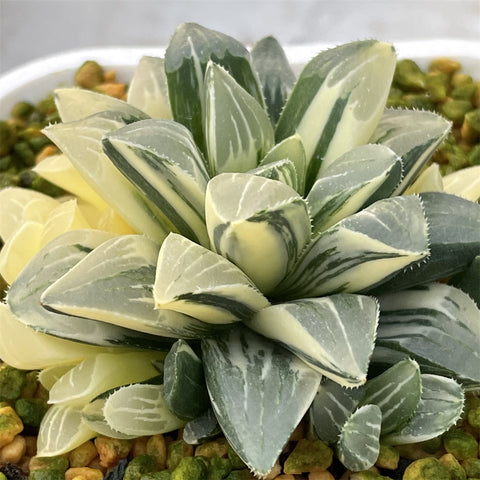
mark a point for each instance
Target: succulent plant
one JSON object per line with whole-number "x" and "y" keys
{"x": 265, "y": 262}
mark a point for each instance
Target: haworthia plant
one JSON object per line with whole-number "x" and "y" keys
{"x": 281, "y": 248}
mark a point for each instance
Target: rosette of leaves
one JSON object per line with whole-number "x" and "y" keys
{"x": 275, "y": 255}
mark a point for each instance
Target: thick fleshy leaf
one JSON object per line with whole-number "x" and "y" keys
{"x": 337, "y": 101}
{"x": 148, "y": 90}
{"x": 188, "y": 53}
{"x": 464, "y": 182}
{"x": 103, "y": 372}
{"x": 140, "y": 409}
{"x": 290, "y": 148}
{"x": 359, "y": 443}
{"x": 92, "y": 417}
{"x": 362, "y": 250}
{"x": 453, "y": 236}
{"x": 397, "y": 392}
{"x": 50, "y": 263}
{"x": 81, "y": 141}
{"x": 335, "y": 335}
{"x": 184, "y": 386}
{"x": 123, "y": 269}
{"x": 275, "y": 74}
{"x": 332, "y": 407}
{"x": 21, "y": 205}
{"x": 356, "y": 179}
{"x": 256, "y": 222}
{"x": 259, "y": 393}
{"x": 413, "y": 135}
{"x": 238, "y": 131}
{"x": 162, "y": 160}
{"x": 62, "y": 430}
{"x": 281, "y": 170}
{"x": 26, "y": 349}
{"x": 436, "y": 324}
{"x": 439, "y": 409}
{"x": 198, "y": 282}
{"x": 76, "y": 103}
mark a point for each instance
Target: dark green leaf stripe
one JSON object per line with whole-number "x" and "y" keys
{"x": 327, "y": 136}
{"x": 222, "y": 302}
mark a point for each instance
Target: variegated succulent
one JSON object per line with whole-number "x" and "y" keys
{"x": 278, "y": 259}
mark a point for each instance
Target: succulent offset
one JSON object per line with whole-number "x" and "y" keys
{"x": 258, "y": 249}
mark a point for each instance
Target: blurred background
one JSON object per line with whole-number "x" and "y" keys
{"x": 30, "y": 29}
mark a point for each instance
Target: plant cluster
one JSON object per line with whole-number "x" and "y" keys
{"x": 271, "y": 256}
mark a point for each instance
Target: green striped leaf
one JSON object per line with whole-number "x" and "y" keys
{"x": 81, "y": 141}
{"x": 439, "y": 409}
{"x": 123, "y": 268}
{"x": 62, "y": 430}
{"x": 140, "y": 409}
{"x": 105, "y": 371}
{"x": 337, "y": 101}
{"x": 413, "y": 135}
{"x": 184, "y": 386}
{"x": 259, "y": 393}
{"x": 188, "y": 53}
{"x": 77, "y": 103}
{"x": 238, "y": 131}
{"x": 454, "y": 240}
{"x": 161, "y": 159}
{"x": 362, "y": 250}
{"x": 356, "y": 179}
{"x": 396, "y": 392}
{"x": 148, "y": 90}
{"x": 281, "y": 170}
{"x": 93, "y": 418}
{"x": 437, "y": 325}
{"x": 50, "y": 263}
{"x": 359, "y": 443}
{"x": 291, "y": 149}
{"x": 332, "y": 407}
{"x": 196, "y": 281}
{"x": 274, "y": 73}
{"x": 335, "y": 335}
{"x": 251, "y": 220}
